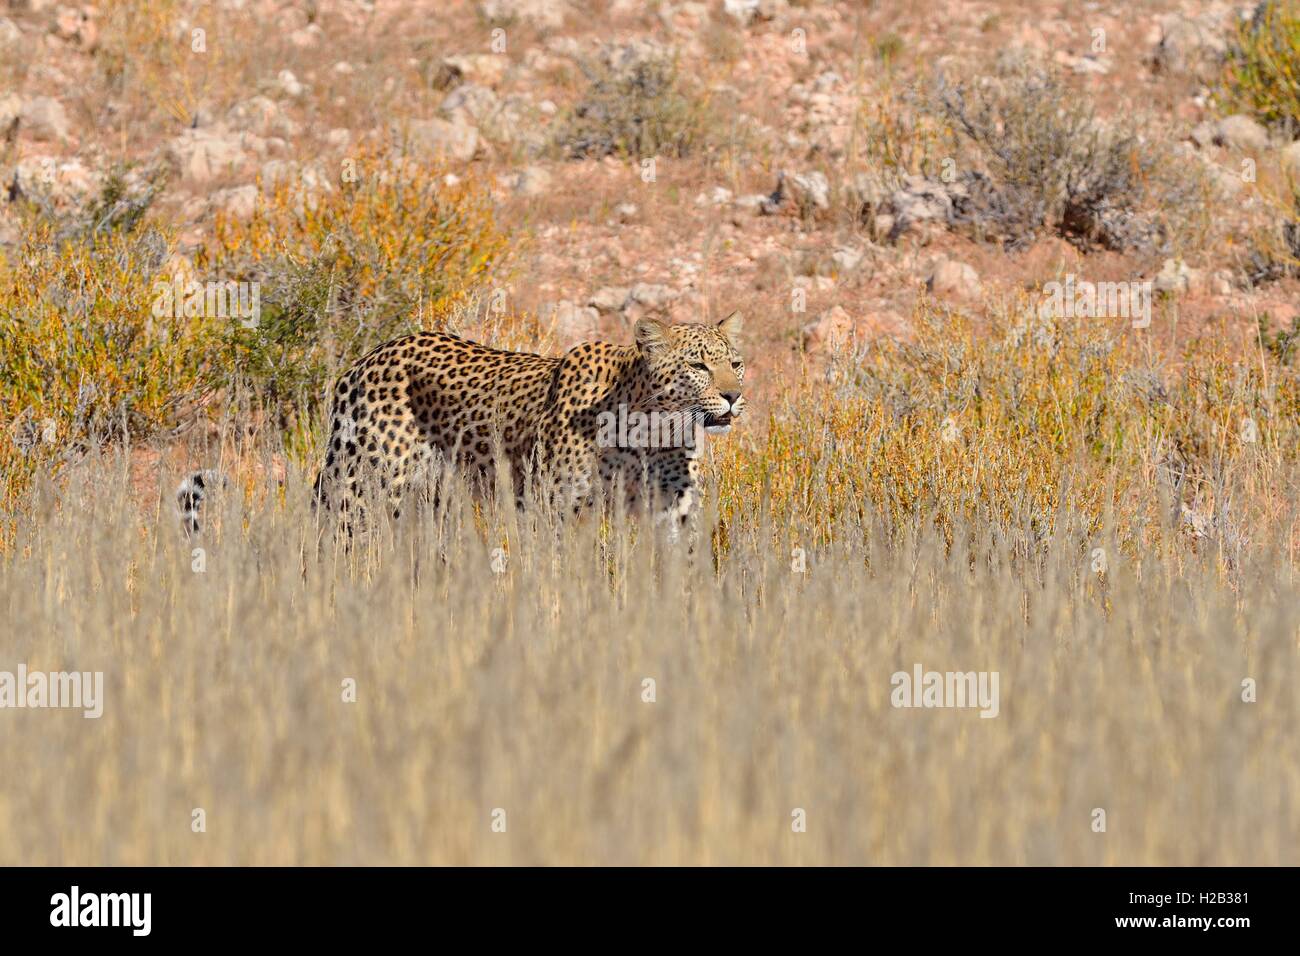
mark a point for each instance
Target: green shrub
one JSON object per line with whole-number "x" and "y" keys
{"x": 346, "y": 269}
{"x": 86, "y": 359}
{"x": 1261, "y": 76}
{"x": 1044, "y": 163}
{"x": 641, "y": 108}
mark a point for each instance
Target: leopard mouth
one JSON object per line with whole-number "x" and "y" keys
{"x": 717, "y": 424}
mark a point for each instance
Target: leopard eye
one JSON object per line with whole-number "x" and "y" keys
{"x": 700, "y": 365}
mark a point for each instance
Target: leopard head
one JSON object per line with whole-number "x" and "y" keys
{"x": 695, "y": 368}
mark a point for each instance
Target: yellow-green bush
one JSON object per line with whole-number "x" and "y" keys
{"x": 1020, "y": 422}
{"x": 85, "y": 357}
{"x": 1261, "y": 76}
{"x": 389, "y": 250}
{"x": 638, "y": 110}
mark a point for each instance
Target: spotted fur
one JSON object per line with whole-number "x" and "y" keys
{"x": 411, "y": 405}
{"x": 190, "y": 495}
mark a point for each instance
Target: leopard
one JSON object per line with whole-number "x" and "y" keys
{"x": 432, "y": 400}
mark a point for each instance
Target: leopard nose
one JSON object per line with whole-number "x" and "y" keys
{"x": 731, "y": 397}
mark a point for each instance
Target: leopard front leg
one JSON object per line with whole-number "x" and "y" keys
{"x": 567, "y": 459}
{"x": 674, "y": 477}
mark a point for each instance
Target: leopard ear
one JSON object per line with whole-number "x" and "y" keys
{"x": 651, "y": 334}
{"x": 730, "y": 326}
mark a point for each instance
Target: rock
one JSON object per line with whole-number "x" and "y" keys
{"x": 275, "y": 172}
{"x": 1241, "y": 133}
{"x": 307, "y": 37}
{"x": 651, "y": 298}
{"x": 1187, "y": 45}
{"x": 443, "y": 139}
{"x": 864, "y": 195}
{"x": 745, "y": 12}
{"x": 717, "y": 196}
{"x": 918, "y": 200}
{"x": 485, "y": 69}
{"x": 239, "y": 202}
{"x": 339, "y": 137}
{"x": 575, "y": 323}
{"x": 11, "y": 108}
{"x": 625, "y": 60}
{"x": 203, "y": 154}
{"x": 64, "y": 182}
{"x": 44, "y": 118}
{"x": 626, "y": 211}
{"x": 847, "y": 259}
{"x": 1227, "y": 181}
{"x": 1176, "y": 277}
{"x": 1202, "y": 135}
{"x": 608, "y": 299}
{"x": 262, "y": 116}
{"x": 289, "y": 85}
{"x": 343, "y": 68}
{"x": 469, "y": 104}
{"x": 9, "y": 32}
{"x": 529, "y": 181}
{"x": 76, "y": 25}
{"x": 547, "y": 14}
{"x": 830, "y": 331}
{"x": 954, "y": 280}
{"x": 810, "y": 191}
{"x": 742, "y": 11}
{"x": 1288, "y": 156}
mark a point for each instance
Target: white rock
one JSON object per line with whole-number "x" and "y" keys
{"x": 44, "y": 118}
{"x": 809, "y": 190}
{"x": 1187, "y": 43}
{"x": 1241, "y": 132}
{"x": 575, "y": 323}
{"x": 847, "y": 258}
{"x": 1288, "y": 156}
{"x": 953, "y": 279}
{"x": 444, "y": 139}
{"x": 307, "y": 37}
{"x": 717, "y": 196}
{"x": 742, "y": 11}
{"x": 608, "y": 299}
{"x": 11, "y": 107}
{"x": 1176, "y": 277}
{"x": 238, "y": 202}
{"x": 745, "y": 12}
{"x": 203, "y": 154}
{"x": 289, "y": 84}
{"x": 1202, "y": 134}
{"x": 529, "y": 181}
{"x": 262, "y": 116}
{"x": 540, "y": 13}
{"x": 485, "y": 69}
{"x": 652, "y": 297}
{"x": 830, "y": 331}
{"x": 469, "y": 103}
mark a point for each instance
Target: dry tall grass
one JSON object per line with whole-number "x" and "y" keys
{"x": 524, "y": 691}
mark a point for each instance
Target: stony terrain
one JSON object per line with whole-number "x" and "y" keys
{"x": 950, "y": 462}
{"x": 812, "y": 200}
